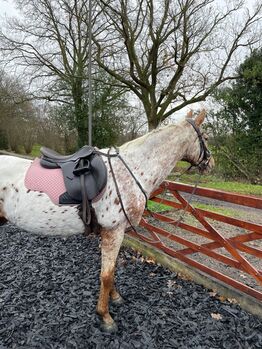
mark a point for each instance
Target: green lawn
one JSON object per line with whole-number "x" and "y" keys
{"x": 226, "y": 211}
{"x": 157, "y": 207}
{"x": 36, "y": 150}
{"x": 214, "y": 182}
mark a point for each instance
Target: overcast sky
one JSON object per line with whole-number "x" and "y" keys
{"x": 7, "y": 6}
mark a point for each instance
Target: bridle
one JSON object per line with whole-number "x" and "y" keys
{"x": 205, "y": 154}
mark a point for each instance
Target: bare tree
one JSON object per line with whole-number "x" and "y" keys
{"x": 172, "y": 53}
{"x": 17, "y": 119}
{"x": 49, "y": 43}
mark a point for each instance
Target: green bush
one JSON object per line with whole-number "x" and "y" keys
{"x": 3, "y": 140}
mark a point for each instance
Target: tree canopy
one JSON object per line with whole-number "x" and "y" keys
{"x": 239, "y": 121}
{"x": 49, "y": 45}
{"x": 169, "y": 53}
{"x": 172, "y": 53}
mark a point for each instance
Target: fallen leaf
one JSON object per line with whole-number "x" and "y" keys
{"x": 171, "y": 283}
{"x": 222, "y": 298}
{"x": 232, "y": 300}
{"x": 216, "y": 316}
{"x": 212, "y": 294}
{"x": 150, "y": 261}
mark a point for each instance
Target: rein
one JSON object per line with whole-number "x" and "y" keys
{"x": 116, "y": 154}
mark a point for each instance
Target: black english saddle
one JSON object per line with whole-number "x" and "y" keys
{"x": 84, "y": 172}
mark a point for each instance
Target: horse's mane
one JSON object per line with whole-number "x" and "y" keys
{"x": 142, "y": 139}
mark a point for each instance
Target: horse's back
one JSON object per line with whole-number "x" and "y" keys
{"x": 12, "y": 167}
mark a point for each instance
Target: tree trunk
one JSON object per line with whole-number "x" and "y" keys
{"x": 152, "y": 118}
{"x": 81, "y": 116}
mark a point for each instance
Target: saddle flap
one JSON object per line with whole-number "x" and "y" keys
{"x": 95, "y": 178}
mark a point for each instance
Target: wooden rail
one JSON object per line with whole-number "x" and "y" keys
{"x": 235, "y": 254}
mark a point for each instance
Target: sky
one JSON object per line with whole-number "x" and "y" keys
{"x": 7, "y": 8}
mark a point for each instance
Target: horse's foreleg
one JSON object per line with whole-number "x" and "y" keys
{"x": 110, "y": 245}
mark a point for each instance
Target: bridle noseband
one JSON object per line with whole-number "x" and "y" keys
{"x": 205, "y": 154}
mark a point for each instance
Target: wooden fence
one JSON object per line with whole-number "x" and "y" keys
{"x": 224, "y": 247}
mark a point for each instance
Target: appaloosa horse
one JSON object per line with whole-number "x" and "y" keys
{"x": 150, "y": 157}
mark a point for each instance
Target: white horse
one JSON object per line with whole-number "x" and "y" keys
{"x": 151, "y": 158}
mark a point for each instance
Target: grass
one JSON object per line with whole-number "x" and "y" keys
{"x": 215, "y": 182}
{"x": 157, "y": 207}
{"x": 226, "y": 211}
{"x": 36, "y": 150}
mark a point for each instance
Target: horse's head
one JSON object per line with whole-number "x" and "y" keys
{"x": 197, "y": 153}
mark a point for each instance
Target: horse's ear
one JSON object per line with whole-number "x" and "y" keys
{"x": 200, "y": 118}
{"x": 190, "y": 114}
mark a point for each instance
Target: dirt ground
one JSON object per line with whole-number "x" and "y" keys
{"x": 244, "y": 213}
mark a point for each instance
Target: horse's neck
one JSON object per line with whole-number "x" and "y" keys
{"x": 152, "y": 157}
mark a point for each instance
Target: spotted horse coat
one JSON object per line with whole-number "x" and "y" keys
{"x": 150, "y": 157}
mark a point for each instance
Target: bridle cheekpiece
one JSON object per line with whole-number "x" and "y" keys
{"x": 205, "y": 154}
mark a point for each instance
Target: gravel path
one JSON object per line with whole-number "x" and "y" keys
{"x": 49, "y": 288}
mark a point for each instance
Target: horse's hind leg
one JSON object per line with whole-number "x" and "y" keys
{"x": 111, "y": 242}
{"x": 115, "y": 296}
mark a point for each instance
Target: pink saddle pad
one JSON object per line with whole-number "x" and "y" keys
{"x": 48, "y": 181}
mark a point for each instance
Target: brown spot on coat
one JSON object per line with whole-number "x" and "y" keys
{"x": 116, "y": 201}
{"x": 110, "y": 193}
{"x": 16, "y": 190}
{"x": 28, "y": 191}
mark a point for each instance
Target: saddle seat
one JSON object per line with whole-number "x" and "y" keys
{"x": 84, "y": 173}
{"x": 54, "y": 157}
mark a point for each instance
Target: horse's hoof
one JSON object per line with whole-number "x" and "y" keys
{"x": 117, "y": 301}
{"x": 109, "y": 328}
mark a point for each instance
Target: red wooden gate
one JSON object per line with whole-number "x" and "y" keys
{"x": 234, "y": 259}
